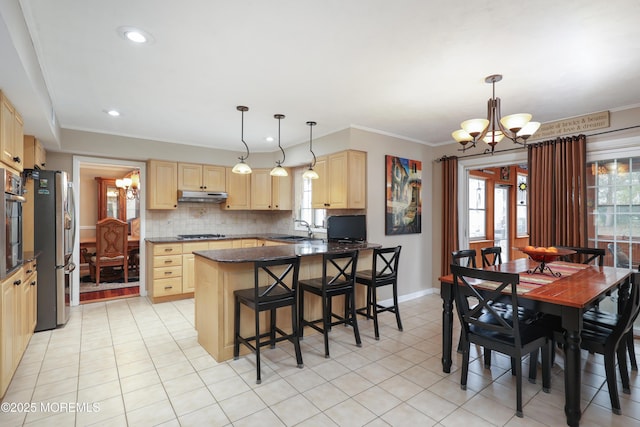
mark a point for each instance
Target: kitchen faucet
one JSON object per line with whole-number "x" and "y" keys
{"x": 306, "y": 224}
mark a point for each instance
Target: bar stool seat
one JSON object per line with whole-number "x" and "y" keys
{"x": 385, "y": 266}
{"x": 282, "y": 276}
{"x": 338, "y": 278}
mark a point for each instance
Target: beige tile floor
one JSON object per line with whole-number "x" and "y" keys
{"x": 131, "y": 363}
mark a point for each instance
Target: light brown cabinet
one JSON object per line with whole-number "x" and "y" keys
{"x": 342, "y": 181}
{"x": 11, "y": 135}
{"x": 170, "y": 268}
{"x": 162, "y": 185}
{"x": 270, "y": 192}
{"x": 18, "y": 319}
{"x": 35, "y": 156}
{"x": 239, "y": 191}
{"x": 197, "y": 177}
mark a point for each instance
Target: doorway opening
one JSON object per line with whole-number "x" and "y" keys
{"x": 101, "y": 194}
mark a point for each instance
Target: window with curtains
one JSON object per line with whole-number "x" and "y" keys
{"x": 613, "y": 194}
{"x": 477, "y": 208}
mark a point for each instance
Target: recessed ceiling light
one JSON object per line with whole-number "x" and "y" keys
{"x": 113, "y": 113}
{"x": 269, "y": 139}
{"x": 135, "y": 35}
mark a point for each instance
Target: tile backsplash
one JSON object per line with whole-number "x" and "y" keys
{"x": 196, "y": 218}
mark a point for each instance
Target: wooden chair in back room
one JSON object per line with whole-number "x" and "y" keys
{"x": 111, "y": 247}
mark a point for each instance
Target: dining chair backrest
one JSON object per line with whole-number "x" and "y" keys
{"x": 276, "y": 280}
{"x": 620, "y": 257}
{"x": 485, "y": 288}
{"x": 584, "y": 255}
{"x": 111, "y": 238}
{"x": 385, "y": 264}
{"x": 631, "y": 308}
{"x": 491, "y": 256}
{"x": 464, "y": 257}
{"x": 339, "y": 269}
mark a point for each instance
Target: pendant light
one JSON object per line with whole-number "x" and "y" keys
{"x": 241, "y": 167}
{"x": 279, "y": 170}
{"x": 310, "y": 173}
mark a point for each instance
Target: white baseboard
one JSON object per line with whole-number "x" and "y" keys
{"x": 409, "y": 297}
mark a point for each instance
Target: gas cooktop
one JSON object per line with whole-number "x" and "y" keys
{"x": 199, "y": 236}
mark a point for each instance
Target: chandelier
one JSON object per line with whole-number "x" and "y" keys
{"x": 517, "y": 127}
{"x": 130, "y": 184}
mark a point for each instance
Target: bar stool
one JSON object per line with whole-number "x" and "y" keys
{"x": 384, "y": 272}
{"x": 282, "y": 274}
{"x": 338, "y": 278}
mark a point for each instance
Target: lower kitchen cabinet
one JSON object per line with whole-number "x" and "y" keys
{"x": 17, "y": 319}
{"x": 170, "y": 267}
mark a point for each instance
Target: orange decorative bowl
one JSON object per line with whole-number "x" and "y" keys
{"x": 544, "y": 254}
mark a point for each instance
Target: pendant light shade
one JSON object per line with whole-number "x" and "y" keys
{"x": 310, "y": 173}
{"x": 241, "y": 167}
{"x": 278, "y": 170}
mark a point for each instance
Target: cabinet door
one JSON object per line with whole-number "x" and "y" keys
{"x": 33, "y": 303}
{"x": 18, "y": 142}
{"x": 7, "y": 341}
{"x": 188, "y": 273}
{"x": 260, "y": 189}
{"x": 189, "y": 177}
{"x": 337, "y": 171}
{"x": 162, "y": 185}
{"x": 357, "y": 181}
{"x": 281, "y": 198}
{"x": 319, "y": 193}
{"x": 239, "y": 189}
{"x": 213, "y": 178}
{"x": 6, "y": 130}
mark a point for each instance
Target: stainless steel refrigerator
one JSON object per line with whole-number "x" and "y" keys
{"x": 54, "y": 238}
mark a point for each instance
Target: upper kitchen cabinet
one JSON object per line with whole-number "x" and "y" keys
{"x": 270, "y": 192}
{"x": 162, "y": 185}
{"x": 11, "y": 134}
{"x": 342, "y": 182}
{"x": 239, "y": 190}
{"x": 196, "y": 177}
{"x": 35, "y": 156}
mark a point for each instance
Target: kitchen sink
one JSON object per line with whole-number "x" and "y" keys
{"x": 292, "y": 238}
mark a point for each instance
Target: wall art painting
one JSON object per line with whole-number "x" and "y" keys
{"x": 403, "y": 196}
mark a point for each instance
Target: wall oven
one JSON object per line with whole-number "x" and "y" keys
{"x": 11, "y": 210}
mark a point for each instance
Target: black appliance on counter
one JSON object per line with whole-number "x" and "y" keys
{"x": 347, "y": 228}
{"x": 54, "y": 238}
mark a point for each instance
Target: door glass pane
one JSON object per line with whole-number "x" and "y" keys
{"x": 112, "y": 202}
{"x": 501, "y": 220}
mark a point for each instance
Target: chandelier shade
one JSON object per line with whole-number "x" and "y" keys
{"x": 517, "y": 127}
{"x": 241, "y": 167}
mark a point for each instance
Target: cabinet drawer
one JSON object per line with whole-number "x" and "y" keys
{"x": 167, "y": 249}
{"x": 165, "y": 287}
{"x": 187, "y": 248}
{"x": 167, "y": 272}
{"x": 167, "y": 261}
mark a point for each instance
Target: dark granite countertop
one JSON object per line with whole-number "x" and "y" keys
{"x": 282, "y": 251}
{"x": 28, "y": 256}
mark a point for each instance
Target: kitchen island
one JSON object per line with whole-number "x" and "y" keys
{"x": 218, "y": 273}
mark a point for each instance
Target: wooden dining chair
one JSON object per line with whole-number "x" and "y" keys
{"x": 475, "y": 291}
{"x": 491, "y": 256}
{"x": 584, "y": 255}
{"x": 464, "y": 257}
{"x": 111, "y": 247}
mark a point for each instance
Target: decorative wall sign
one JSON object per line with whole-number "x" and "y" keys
{"x": 574, "y": 125}
{"x": 403, "y": 196}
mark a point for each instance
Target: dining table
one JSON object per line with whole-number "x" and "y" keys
{"x": 568, "y": 295}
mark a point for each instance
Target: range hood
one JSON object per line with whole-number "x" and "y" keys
{"x": 202, "y": 196}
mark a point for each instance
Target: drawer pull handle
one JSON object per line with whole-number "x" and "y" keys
{"x": 168, "y": 249}
{"x": 17, "y": 282}
{"x": 168, "y": 261}
{"x": 29, "y": 271}
{"x": 168, "y": 287}
{"x": 168, "y": 273}
{"x": 33, "y": 283}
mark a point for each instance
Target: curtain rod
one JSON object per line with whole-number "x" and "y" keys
{"x": 445, "y": 157}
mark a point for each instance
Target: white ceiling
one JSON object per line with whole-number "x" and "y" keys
{"x": 411, "y": 68}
